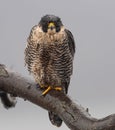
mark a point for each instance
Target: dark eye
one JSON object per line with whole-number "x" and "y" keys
{"x": 57, "y": 28}
{"x": 44, "y": 27}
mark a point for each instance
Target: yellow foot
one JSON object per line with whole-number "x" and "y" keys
{"x": 47, "y": 90}
{"x": 58, "y": 88}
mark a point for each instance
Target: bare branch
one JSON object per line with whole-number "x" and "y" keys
{"x": 74, "y": 116}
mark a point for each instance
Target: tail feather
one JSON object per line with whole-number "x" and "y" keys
{"x": 55, "y": 119}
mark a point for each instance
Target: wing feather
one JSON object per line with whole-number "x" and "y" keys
{"x": 71, "y": 42}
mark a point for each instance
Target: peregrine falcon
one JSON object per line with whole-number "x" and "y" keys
{"x": 49, "y": 57}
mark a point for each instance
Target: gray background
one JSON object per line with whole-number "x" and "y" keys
{"x": 92, "y": 23}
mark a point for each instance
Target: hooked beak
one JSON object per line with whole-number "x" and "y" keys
{"x": 51, "y": 25}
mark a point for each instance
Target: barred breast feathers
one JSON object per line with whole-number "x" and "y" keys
{"x": 57, "y": 46}
{"x": 37, "y": 36}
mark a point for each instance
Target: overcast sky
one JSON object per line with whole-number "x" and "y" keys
{"x": 92, "y": 23}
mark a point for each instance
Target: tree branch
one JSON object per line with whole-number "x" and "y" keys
{"x": 74, "y": 116}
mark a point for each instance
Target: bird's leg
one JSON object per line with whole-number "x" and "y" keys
{"x": 42, "y": 86}
{"x": 47, "y": 90}
{"x": 39, "y": 86}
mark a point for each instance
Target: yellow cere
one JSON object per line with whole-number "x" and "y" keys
{"x": 51, "y": 24}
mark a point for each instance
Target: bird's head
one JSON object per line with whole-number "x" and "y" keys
{"x": 50, "y": 24}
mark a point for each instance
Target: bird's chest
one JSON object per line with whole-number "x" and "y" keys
{"x": 46, "y": 68}
{"x": 47, "y": 54}
{"x": 49, "y": 48}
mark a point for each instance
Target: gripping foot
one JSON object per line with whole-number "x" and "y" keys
{"x": 46, "y": 91}
{"x": 58, "y": 88}
{"x": 49, "y": 88}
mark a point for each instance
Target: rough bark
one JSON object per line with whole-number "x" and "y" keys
{"x": 74, "y": 116}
